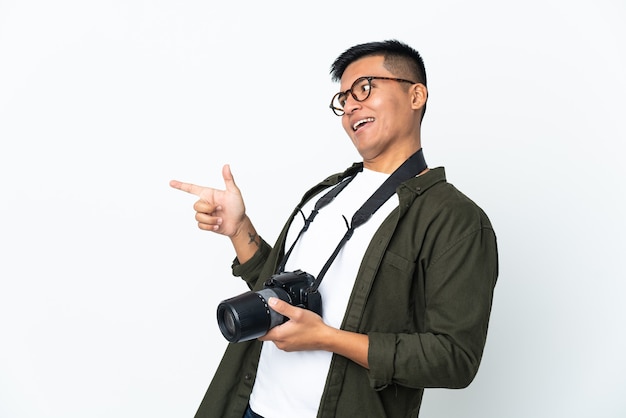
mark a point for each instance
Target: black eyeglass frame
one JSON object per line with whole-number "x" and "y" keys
{"x": 340, "y": 112}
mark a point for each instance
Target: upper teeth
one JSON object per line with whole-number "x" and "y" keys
{"x": 362, "y": 121}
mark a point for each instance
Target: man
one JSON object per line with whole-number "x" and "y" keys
{"x": 407, "y": 293}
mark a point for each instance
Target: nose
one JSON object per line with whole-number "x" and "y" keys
{"x": 351, "y": 105}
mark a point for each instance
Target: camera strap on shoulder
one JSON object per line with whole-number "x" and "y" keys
{"x": 410, "y": 168}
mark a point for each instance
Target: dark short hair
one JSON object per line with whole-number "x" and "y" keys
{"x": 399, "y": 58}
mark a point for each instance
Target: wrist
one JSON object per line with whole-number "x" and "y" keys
{"x": 241, "y": 229}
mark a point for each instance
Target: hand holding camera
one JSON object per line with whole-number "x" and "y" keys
{"x": 249, "y": 316}
{"x": 301, "y": 332}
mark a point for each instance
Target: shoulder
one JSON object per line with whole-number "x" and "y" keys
{"x": 443, "y": 202}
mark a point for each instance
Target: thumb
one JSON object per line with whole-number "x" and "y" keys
{"x": 229, "y": 180}
{"x": 281, "y": 306}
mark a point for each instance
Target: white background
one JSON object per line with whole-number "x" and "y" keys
{"x": 107, "y": 288}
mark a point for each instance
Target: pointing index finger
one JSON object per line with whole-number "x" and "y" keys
{"x": 187, "y": 187}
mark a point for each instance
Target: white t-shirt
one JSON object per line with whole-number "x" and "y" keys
{"x": 291, "y": 384}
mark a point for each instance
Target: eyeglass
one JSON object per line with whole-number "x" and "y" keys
{"x": 360, "y": 91}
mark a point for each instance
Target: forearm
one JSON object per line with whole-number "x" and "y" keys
{"x": 351, "y": 345}
{"x": 245, "y": 241}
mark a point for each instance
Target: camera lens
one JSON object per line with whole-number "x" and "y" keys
{"x": 248, "y": 316}
{"x": 229, "y": 323}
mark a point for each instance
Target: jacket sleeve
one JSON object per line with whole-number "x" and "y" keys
{"x": 446, "y": 349}
{"x": 250, "y": 271}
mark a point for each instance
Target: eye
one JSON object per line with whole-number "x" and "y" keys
{"x": 342, "y": 99}
{"x": 362, "y": 89}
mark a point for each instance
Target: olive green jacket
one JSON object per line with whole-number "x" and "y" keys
{"x": 423, "y": 295}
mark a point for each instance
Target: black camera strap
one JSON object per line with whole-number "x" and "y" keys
{"x": 323, "y": 201}
{"x": 410, "y": 168}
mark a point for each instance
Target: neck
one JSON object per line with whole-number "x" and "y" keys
{"x": 389, "y": 165}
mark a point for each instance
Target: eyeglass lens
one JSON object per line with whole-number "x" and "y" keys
{"x": 360, "y": 91}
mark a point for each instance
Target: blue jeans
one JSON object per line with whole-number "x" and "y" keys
{"x": 250, "y": 413}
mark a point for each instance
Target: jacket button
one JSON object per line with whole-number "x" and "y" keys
{"x": 247, "y": 376}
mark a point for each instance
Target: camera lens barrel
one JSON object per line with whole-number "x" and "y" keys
{"x": 248, "y": 316}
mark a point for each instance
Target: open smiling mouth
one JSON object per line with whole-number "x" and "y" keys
{"x": 359, "y": 124}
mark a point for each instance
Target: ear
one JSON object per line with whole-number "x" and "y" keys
{"x": 419, "y": 96}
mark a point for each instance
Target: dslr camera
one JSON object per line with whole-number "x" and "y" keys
{"x": 248, "y": 316}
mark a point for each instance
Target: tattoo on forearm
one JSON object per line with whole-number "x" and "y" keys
{"x": 254, "y": 238}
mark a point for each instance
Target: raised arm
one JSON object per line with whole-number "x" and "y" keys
{"x": 224, "y": 212}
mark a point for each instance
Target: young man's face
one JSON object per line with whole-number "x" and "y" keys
{"x": 384, "y": 128}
